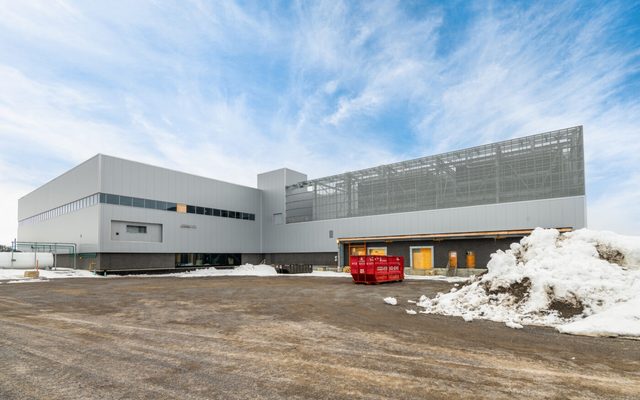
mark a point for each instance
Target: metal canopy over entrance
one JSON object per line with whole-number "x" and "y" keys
{"x": 439, "y": 236}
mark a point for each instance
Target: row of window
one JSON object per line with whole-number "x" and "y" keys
{"x": 175, "y": 207}
{"x": 63, "y": 209}
{"x": 135, "y": 202}
{"x": 207, "y": 259}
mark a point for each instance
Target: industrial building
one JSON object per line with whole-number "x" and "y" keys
{"x": 446, "y": 210}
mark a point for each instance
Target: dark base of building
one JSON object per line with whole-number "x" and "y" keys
{"x": 177, "y": 262}
{"x": 470, "y": 253}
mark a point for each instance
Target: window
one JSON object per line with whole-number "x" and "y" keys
{"x": 136, "y": 229}
{"x": 376, "y": 251}
{"x": 113, "y": 199}
{"x": 207, "y": 259}
{"x": 106, "y": 198}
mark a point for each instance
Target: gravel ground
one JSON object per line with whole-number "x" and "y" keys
{"x": 283, "y": 338}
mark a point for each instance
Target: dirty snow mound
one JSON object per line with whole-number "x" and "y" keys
{"x": 583, "y": 282}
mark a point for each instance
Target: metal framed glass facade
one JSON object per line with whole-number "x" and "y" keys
{"x": 542, "y": 166}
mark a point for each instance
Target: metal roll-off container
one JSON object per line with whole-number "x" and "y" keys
{"x": 377, "y": 269}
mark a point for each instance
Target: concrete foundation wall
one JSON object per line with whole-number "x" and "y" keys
{"x": 302, "y": 258}
{"x": 82, "y": 261}
{"x": 136, "y": 261}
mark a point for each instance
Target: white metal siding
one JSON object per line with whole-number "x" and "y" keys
{"x": 135, "y": 179}
{"x": 79, "y": 182}
{"x": 210, "y": 235}
{"x": 314, "y": 236}
{"x": 80, "y": 227}
{"x": 91, "y": 227}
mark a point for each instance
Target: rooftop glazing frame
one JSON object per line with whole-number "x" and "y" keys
{"x": 541, "y": 166}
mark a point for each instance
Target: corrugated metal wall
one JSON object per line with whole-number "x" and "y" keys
{"x": 79, "y": 182}
{"x": 269, "y": 233}
{"x": 182, "y": 233}
{"x": 314, "y": 236}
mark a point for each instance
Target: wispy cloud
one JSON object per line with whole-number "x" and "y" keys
{"x": 227, "y": 90}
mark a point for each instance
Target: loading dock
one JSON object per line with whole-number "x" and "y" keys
{"x": 432, "y": 253}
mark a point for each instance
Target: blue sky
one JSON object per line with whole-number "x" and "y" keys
{"x": 229, "y": 89}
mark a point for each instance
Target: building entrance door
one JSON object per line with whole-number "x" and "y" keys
{"x": 422, "y": 257}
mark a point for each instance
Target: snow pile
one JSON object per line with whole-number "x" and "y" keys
{"x": 582, "y": 282}
{"x": 58, "y": 273}
{"x": 391, "y": 301}
{"x": 242, "y": 270}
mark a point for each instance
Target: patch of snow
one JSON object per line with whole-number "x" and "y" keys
{"x": 513, "y": 325}
{"x": 241, "y": 270}
{"x": 582, "y": 282}
{"x": 17, "y": 275}
{"x": 411, "y": 312}
{"x": 391, "y": 300}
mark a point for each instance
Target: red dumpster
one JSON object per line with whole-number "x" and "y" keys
{"x": 377, "y": 269}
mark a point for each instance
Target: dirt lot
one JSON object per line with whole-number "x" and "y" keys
{"x": 283, "y": 338}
